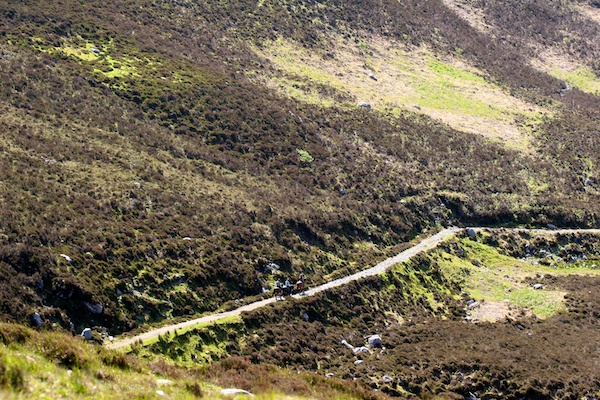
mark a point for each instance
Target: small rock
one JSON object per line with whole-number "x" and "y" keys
{"x": 387, "y": 378}
{"x": 418, "y": 107}
{"x": 359, "y": 362}
{"x": 95, "y": 50}
{"x": 87, "y": 334}
{"x": 95, "y": 308}
{"x": 329, "y": 375}
{"x": 538, "y": 286}
{"x": 163, "y": 382}
{"x": 375, "y": 341}
{"x": 160, "y": 393}
{"x": 471, "y": 233}
{"x": 372, "y": 76}
{"x": 235, "y": 392}
{"x": 362, "y": 349}
{"x": 364, "y": 105}
{"x": 37, "y": 319}
{"x": 66, "y": 257}
{"x": 473, "y": 305}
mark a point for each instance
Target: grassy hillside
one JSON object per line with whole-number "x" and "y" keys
{"x": 158, "y": 155}
{"x": 515, "y": 342}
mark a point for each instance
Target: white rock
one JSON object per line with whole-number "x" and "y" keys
{"x": 361, "y": 349}
{"x": 359, "y": 362}
{"x": 234, "y": 392}
{"x": 163, "y": 382}
{"x": 375, "y": 341}
{"x": 160, "y": 393}
{"x": 66, "y": 257}
{"x": 538, "y": 286}
{"x": 387, "y": 378}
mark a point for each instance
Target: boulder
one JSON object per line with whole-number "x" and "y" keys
{"x": 87, "y": 334}
{"x": 471, "y": 233}
{"x": 375, "y": 341}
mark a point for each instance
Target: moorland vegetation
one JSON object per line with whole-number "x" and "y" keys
{"x": 158, "y": 155}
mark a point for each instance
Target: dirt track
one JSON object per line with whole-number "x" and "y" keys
{"x": 425, "y": 244}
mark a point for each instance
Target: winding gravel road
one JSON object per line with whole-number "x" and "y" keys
{"x": 425, "y": 244}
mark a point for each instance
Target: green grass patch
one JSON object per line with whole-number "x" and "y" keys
{"x": 542, "y": 303}
{"x": 489, "y": 275}
{"x": 582, "y": 77}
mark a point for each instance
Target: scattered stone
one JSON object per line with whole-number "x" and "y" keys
{"x": 348, "y": 345}
{"x": 538, "y": 286}
{"x": 66, "y": 257}
{"x": 359, "y": 362}
{"x": 160, "y": 393}
{"x": 329, "y": 375}
{"x": 342, "y": 191}
{"x": 95, "y": 50}
{"x": 305, "y": 317}
{"x": 235, "y": 392}
{"x": 471, "y": 233}
{"x": 364, "y": 105}
{"x": 95, "y": 308}
{"x": 361, "y": 349}
{"x": 87, "y": 334}
{"x": 375, "y": 341}
{"x": 418, "y": 107}
{"x": 187, "y": 238}
{"x": 37, "y": 319}
{"x": 387, "y": 378}
{"x": 473, "y": 305}
{"x": 372, "y": 76}
{"x": 272, "y": 267}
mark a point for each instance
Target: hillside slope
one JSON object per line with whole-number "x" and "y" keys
{"x": 156, "y": 156}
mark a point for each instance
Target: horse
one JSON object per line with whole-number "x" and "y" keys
{"x": 300, "y": 287}
{"x": 278, "y": 293}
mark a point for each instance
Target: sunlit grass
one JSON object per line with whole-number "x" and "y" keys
{"x": 582, "y": 77}
{"x": 488, "y": 275}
